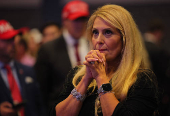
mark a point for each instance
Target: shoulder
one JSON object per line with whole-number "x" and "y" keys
{"x": 23, "y": 69}
{"x": 53, "y": 42}
{"x": 72, "y": 72}
{"x": 146, "y": 76}
{"x": 145, "y": 86}
{"x": 27, "y": 73}
{"x": 19, "y": 65}
{"x": 53, "y": 45}
{"x": 146, "y": 80}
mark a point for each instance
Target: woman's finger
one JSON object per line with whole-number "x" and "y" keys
{"x": 100, "y": 55}
{"x": 93, "y": 54}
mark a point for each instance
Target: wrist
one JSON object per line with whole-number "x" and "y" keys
{"x": 78, "y": 95}
{"x": 101, "y": 80}
{"x": 104, "y": 88}
{"x": 83, "y": 85}
{"x": 86, "y": 80}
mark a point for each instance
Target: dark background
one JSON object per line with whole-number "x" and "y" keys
{"x": 35, "y": 13}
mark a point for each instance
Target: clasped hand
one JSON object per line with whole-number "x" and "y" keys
{"x": 95, "y": 65}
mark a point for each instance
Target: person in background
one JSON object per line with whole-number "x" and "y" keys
{"x": 50, "y": 31}
{"x": 115, "y": 79}
{"x": 34, "y": 40}
{"x": 22, "y": 54}
{"x": 57, "y": 57}
{"x": 155, "y": 32}
{"x": 27, "y": 43}
{"x": 19, "y": 90}
{"x": 160, "y": 61}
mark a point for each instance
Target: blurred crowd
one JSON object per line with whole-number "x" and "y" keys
{"x": 28, "y": 41}
{"x": 55, "y": 48}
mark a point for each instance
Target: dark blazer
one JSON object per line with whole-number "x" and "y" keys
{"x": 52, "y": 67}
{"x": 29, "y": 91}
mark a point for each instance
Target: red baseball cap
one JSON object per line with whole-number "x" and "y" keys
{"x": 6, "y": 30}
{"x": 75, "y": 9}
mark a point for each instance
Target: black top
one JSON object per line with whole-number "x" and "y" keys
{"x": 141, "y": 99}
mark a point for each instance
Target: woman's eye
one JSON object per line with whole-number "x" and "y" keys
{"x": 95, "y": 32}
{"x": 108, "y": 32}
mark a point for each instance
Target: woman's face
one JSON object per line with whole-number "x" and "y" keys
{"x": 106, "y": 39}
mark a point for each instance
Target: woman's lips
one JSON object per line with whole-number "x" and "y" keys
{"x": 102, "y": 50}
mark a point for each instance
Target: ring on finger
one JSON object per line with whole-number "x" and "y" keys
{"x": 92, "y": 62}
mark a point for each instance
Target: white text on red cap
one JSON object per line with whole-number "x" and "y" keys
{"x": 5, "y": 27}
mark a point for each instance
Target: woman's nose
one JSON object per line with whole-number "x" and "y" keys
{"x": 100, "y": 39}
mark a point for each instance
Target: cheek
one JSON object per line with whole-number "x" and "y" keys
{"x": 93, "y": 43}
{"x": 115, "y": 48}
{"x": 10, "y": 47}
{"x": 3, "y": 51}
{"x": 114, "y": 44}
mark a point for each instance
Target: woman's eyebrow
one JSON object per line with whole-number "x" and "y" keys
{"x": 103, "y": 29}
{"x": 108, "y": 29}
{"x": 93, "y": 28}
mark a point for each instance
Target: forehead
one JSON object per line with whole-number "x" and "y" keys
{"x": 101, "y": 23}
{"x": 51, "y": 27}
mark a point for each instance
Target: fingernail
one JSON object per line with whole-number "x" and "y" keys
{"x": 100, "y": 60}
{"x": 96, "y": 59}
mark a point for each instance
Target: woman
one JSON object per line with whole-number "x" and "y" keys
{"x": 115, "y": 79}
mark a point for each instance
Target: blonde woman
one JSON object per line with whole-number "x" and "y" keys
{"x": 115, "y": 78}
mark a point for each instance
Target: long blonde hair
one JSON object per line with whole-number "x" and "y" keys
{"x": 134, "y": 55}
